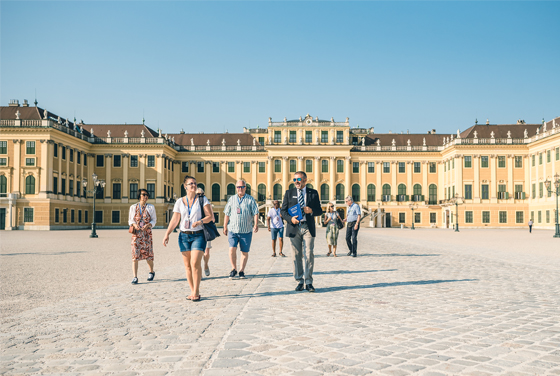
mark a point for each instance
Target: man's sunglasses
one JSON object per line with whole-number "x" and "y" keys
{"x": 297, "y": 179}
{"x": 144, "y": 194}
{"x": 241, "y": 186}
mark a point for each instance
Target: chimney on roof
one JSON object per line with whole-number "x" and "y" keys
{"x": 25, "y": 104}
{"x": 433, "y": 131}
{"x": 390, "y": 132}
{"x": 14, "y": 103}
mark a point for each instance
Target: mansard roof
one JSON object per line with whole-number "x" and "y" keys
{"x": 117, "y": 130}
{"x": 500, "y": 130}
{"x": 245, "y": 139}
{"x": 416, "y": 139}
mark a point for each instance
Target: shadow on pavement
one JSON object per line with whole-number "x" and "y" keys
{"x": 41, "y": 253}
{"x": 397, "y": 254}
{"x": 341, "y": 288}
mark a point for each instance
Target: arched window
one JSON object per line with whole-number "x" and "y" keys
{"x": 356, "y": 193}
{"x": 371, "y": 192}
{"x": 386, "y": 189}
{"x": 402, "y": 189}
{"x": 433, "y": 194}
{"x": 261, "y": 192}
{"x": 339, "y": 192}
{"x": 230, "y": 189}
{"x": 248, "y": 189}
{"x": 310, "y": 186}
{"x": 3, "y": 186}
{"x": 324, "y": 192}
{"x": 277, "y": 192}
{"x": 201, "y": 186}
{"x": 30, "y": 185}
{"x": 417, "y": 190}
{"x": 216, "y": 194}
{"x": 291, "y": 186}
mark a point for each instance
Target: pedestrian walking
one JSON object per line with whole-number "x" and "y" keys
{"x": 301, "y": 204}
{"x": 142, "y": 217}
{"x": 206, "y": 256}
{"x": 353, "y": 216}
{"x": 332, "y": 229}
{"x": 188, "y": 213}
{"x": 530, "y": 225}
{"x": 240, "y": 221}
{"x": 275, "y": 225}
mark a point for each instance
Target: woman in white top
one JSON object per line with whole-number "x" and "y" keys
{"x": 332, "y": 229}
{"x": 206, "y": 257}
{"x": 192, "y": 243}
{"x": 142, "y": 216}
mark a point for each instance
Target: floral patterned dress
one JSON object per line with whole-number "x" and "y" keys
{"x": 142, "y": 245}
{"x": 332, "y": 229}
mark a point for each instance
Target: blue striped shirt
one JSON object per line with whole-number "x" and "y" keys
{"x": 353, "y": 212}
{"x": 241, "y": 223}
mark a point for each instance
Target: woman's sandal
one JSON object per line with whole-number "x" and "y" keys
{"x": 274, "y": 255}
{"x": 335, "y": 255}
{"x": 328, "y": 254}
{"x": 195, "y": 298}
{"x": 281, "y": 254}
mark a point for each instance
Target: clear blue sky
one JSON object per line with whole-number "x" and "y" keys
{"x": 212, "y": 66}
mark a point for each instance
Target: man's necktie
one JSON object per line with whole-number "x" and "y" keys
{"x": 300, "y": 200}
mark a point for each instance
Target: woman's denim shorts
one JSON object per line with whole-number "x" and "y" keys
{"x": 192, "y": 242}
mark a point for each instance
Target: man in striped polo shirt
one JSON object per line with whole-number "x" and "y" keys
{"x": 241, "y": 218}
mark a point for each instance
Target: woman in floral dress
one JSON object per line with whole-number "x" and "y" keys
{"x": 143, "y": 217}
{"x": 332, "y": 229}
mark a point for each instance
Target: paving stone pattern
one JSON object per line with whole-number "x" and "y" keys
{"x": 402, "y": 307}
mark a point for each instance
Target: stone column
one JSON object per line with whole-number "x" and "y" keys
{"x": 440, "y": 186}
{"x": 347, "y": 182}
{"x": 84, "y": 158}
{"x": 363, "y": 183}
{"x": 142, "y": 167}
{"x": 332, "y": 166}
{"x": 68, "y": 171}
{"x": 108, "y": 182}
{"x": 208, "y": 172}
{"x": 223, "y": 167}
{"x": 300, "y": 163}
{"x": 269, "y": 177}
{"x": 409, "y": 168}
{"x": 394, "y": 187}
{"x": 493, "y": 179}
{"x": 284, "y": 172}
{"x": 75, "y": 182}
{"x": 476, "y": 184}
{"x": 378, "y": 184}
{"x": 425, "y": 186}
{"x": 459, "y": 175}
{"x": 44, "y": 170}
{"x": 527, "y": 184}
{"x": 125, "y": 185}
{"x": 537, "y": 198}
{"x": 510, "y": 187}
{"x": 49, "y": 169}
{"x": 160, "y": 194}
{"x": 16, "y": 173}
{"x": 239, "y": 168}
{"x": 552, "y": 151}
{"x": 254, "y": 185}
{"x": 59, "y": 183}
{"x": 316, "y": 171}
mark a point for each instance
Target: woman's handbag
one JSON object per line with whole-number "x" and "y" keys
{"x": 339, "y": 223}
{"x": 131, "y": 229}
{"x": 210, "y": 229}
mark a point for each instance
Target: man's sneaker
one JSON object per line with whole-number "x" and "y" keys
{"x": 207, "y": 272}
{"x": 233, "y": 273}
{"x": 134, "y": 281}
{"x": 242, "y": 275}
{"x": 310, "y": 288}
{"x": 151, "y": 276}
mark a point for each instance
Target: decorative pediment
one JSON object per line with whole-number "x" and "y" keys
{"x": 133, "y": 180}
{"x": 116, "y": 180}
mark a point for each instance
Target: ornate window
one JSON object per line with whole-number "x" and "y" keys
{"x": 30, "y": 185}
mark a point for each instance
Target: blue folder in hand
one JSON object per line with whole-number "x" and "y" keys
{"x": 295, "y": 211}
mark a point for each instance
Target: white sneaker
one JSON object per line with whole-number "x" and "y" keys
{"x": 207, "y": 272}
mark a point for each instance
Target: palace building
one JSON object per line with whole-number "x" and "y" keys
{"x": 493, "y": 174}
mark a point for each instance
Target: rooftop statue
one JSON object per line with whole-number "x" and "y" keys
{"x": 91, "y": 131}
{"x": 17, "y": 115}
{"x": 492, "y": 134}
{"x": 393, "y": 142}
{"x": 142, "y": 134}
{"x": 424, "y": 141}
{"x": 207, "y": 142}
{"x": 378, "y": 142}
{"x": 475, "y": 134}
{"x": 238, "y": 142}
{"x": 109, "y": 133}
{"x": 408, "y": 142}
{"x": 192, "y": 142}
{"x": 363, "y": 141}
{"x": 509, "y": 134}
{"x": 223, "y": 142}
{"x": 254, "y": 141}
{"x": 125, "y": 133}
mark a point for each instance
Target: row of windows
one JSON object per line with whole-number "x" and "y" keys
{"x": 548, "y": 157}
{"x": 502, "y": 216}
{"x": 540, "y": 216}
{"x": 542, "y": 190}
{"x": 117, "y": 161}
{"x": 308, "y": 137}
{"x": 418, "y": 218}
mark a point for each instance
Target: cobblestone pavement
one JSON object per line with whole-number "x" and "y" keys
{"x": 411, "y": 303}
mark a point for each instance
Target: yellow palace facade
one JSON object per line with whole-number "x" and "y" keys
{"x": 495, "y": 173}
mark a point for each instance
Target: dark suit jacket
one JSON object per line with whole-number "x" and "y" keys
{"x": 312, "y": 200}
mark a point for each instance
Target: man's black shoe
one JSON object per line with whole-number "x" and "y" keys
{"x": 349, "y": 253}
{"x": 299, "y": 287}
{"x": 310, "y": 288}
{"x": 353, "y": 255}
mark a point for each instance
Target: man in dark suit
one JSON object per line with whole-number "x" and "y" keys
{"x": 302, "y": 232}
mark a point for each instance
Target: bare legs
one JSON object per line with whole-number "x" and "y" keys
{"x": 206, "y": 258}
{"x": 192, "y": 260}
{"x": 135, "y": 267}
{"x": 233, "y": 259}
{"x": 280, "y": 245}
